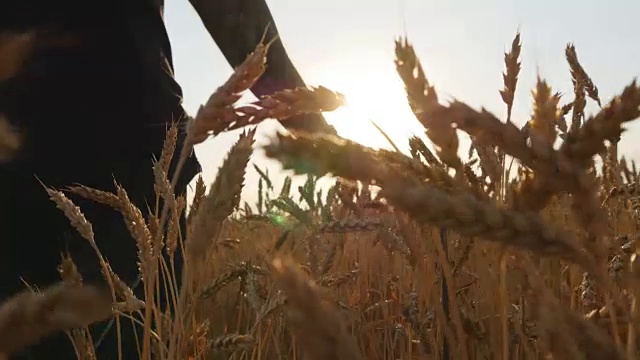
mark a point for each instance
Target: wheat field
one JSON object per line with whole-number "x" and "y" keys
{"x": 525, "y": 251}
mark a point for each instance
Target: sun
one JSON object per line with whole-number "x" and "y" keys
{"x": 372, "y": 94}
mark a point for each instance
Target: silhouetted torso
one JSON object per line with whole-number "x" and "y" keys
{"x": 91, "y": 111}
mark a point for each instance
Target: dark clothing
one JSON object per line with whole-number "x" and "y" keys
{"x": 95, "y": 111}
{"x": 91, "y": 112}
{"x": 237, "y": 27}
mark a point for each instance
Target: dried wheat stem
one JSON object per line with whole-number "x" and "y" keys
{"x": 9, "y": 140}
{"x": 589, "y": 139}
{"x": 328, "y": 338}
{"x": 510, "y": 77}
{"x": 15, "y": 48}
{"x": 284, "y": 105}
{"x": 218, "y": 111}
{"x": 222, "y": 199}
{"x": 423, "y": 101}
{"x": 28, "y": 316}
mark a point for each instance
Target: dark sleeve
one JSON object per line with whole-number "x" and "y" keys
{"x": 237, "y": 26}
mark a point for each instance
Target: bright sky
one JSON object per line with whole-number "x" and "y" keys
{"x": 348, "y": 47}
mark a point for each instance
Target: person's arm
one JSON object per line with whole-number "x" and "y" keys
{"x": 237, "y": 26}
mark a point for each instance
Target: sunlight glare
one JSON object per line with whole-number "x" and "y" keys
{"x": 372, "y": 94}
